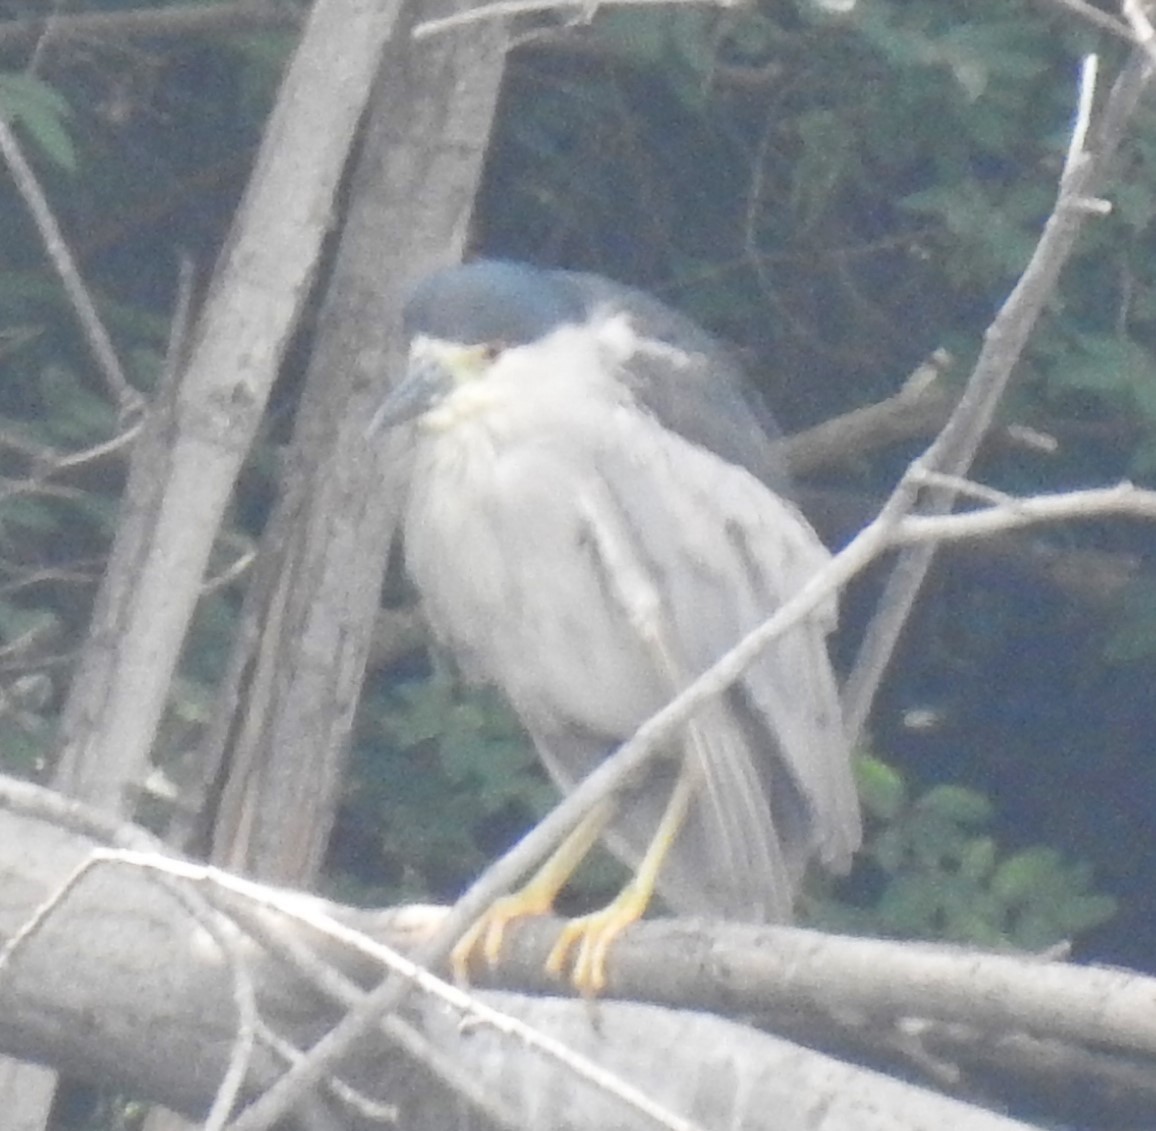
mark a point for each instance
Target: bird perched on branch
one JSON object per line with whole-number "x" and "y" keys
{"x": 596, "y": 515}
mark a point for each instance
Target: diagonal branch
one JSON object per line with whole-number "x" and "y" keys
{"x": 95, "y": 334}
{"x": 954, "y": 449}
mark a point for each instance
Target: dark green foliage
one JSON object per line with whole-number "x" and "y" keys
{"x": 935, "y": 871}
{"x": 81, "y": 1108}
{"x": 848, "y": 193}
{"x": 443, "y": 781}
{"x": 141, "y": 150}
{"x": 1133, "y": 631}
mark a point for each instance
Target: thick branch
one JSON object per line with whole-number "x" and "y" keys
{"x": 118, "y": 983}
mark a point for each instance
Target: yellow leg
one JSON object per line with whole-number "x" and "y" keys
{"x": 594, "y": 933}
{"x": 535, "y": 898}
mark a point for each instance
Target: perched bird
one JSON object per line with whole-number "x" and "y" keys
{"x": 596, "y": 514}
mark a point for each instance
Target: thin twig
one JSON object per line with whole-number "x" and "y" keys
{"x": 99, "y": 342}
{"x": 347, "y": 993}
{"x": 954, "y": 449}
{"x": 1013, "y": 514}
{"x": 920, "y": 408}
{"x": 306, "y": 911}
{"x": 1141, "y": 25}
{"x": 370, "y": 1110}
{"x": 966, "y": 488}
{"x": 234, "y": 570}
{"x": 503, "y": 9}
{"x": 97, "y": 451}
{"x": 18, "y": 488}
{"x": 1096, "y": 18}
{"x": 176, "y": 21}
{"x": 71, "y": 576}
{"x": 33, "y": 924}
{"x": 1089, "y": 70}
{"x": 182, "y": 319}
{"x": 45, "y": 37}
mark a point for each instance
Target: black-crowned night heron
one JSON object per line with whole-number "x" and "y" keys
{"x": 594, "y": 518}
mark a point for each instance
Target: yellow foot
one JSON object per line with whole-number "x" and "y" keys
{"x": 593, "y": 934}
{"x": 488, "y": 933}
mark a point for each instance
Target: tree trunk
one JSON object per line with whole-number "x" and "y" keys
{"x": 188, "y": 456}
{"x": 283, "y": 721}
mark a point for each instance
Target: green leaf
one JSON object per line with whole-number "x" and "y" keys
{"x": 958, "y": 804}
{"x": 978, "y": 858}
{"x": 77, "y": 414}
{"x": 27, "y": 514}
{"x": 1021, "y": 877}
{"x": 640, "y": 36}
{"x": 889, "y": 849}
{"x": 1134, "y": 204}
{"x": 975, "y": 53}
{"x": 881, "y": 787}
{"x": 1142, "y": 463}
{"x": 1086, "y": 912}
{"x": 33, "y": 104}
{"x": 23, "y": 749}
{"x": 996, "y": 232}
{"x": 1108, "y": 364}
{"x": 827, "y": 148}
{"x": 975, "y": 930}
{"x": 17, "y": 621}
{"x": 972, "y": 52}
{"x": 1134, "y": 625}
{"x": 910, "y": 905}
{"x": 422, "y": 715}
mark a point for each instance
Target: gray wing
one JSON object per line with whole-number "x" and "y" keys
{"x": 732, "y": 555}
{"x": 704, "y": 395}
{"x": 721, "y": 553}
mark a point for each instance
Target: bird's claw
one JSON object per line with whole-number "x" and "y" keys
{"x": 592, "y": 934}
{"x": 489, "y": 932}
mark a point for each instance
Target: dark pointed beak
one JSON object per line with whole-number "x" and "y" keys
{"x": 426, "y": 381}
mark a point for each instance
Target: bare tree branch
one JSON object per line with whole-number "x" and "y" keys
{"x": 1090, "y": 14}
{"x": 96, "y": 336}
{"x": 955, "y": 447}
{"x": 151, "y": 950}
{"x": 505, "y": 9}
{"x": 920, "y": 408}
{"x": 175, "y": 21}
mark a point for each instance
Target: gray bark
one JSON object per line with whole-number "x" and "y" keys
{"x": 120, "y": 982}
{"x": 194, "y": 442}
{"x": 283, "y": 720}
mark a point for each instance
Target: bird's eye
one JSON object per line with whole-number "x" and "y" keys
{"x": 491, "y": 351}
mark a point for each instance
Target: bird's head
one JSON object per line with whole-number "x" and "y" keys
{"x": 459, "y": 322}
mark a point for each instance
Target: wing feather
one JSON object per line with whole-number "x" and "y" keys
{"x": 726, "y": 552}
